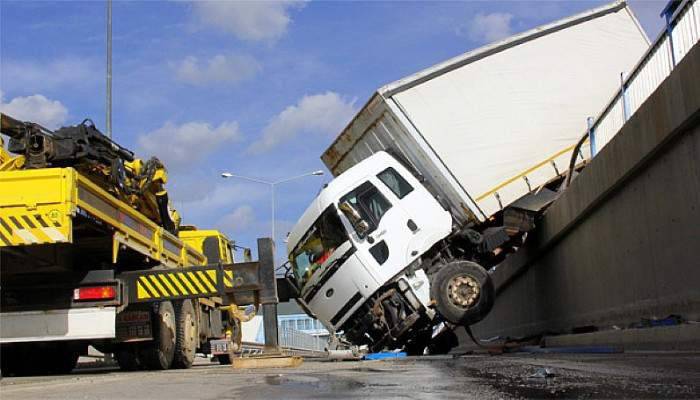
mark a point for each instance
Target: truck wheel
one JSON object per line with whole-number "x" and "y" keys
{"x": 463, "y": 292}
{"x": 159, "y": 353}
{"x": 187, "y": 337}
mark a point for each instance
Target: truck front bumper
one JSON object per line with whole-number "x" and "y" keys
{"x": 49, "y": 325}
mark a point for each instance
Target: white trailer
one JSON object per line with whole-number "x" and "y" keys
{"x": 488, "y": 126}
{"x": 442, "y": 171}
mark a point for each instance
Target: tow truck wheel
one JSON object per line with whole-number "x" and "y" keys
{"x": 187, "y": 337}
{"x": 159, "y": 353}
{"x": 463, "y": 292}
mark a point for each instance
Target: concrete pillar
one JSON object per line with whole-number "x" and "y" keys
{"x": 268, "y": 292}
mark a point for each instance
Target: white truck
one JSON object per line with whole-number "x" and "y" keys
{"x": 441, "y": 174}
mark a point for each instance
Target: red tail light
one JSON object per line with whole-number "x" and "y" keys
{"x": 95, "y": 293}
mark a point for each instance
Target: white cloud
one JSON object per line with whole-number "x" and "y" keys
{"x": 239, "y": 220}
{"x": 247, "y": 20}
{"x": 486, "y": 28}
{"x": 36, "y": 108}
{"x": 243, "y": 221}
{"x": 217, "y": 195}
{"x": 76, "y": 73}
{"x": 218, "y": 69}
{"x": 321, "y": 114}
{"x": 182, "y": 145}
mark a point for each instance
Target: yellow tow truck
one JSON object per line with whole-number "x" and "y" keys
{"x": 92, "y": 254}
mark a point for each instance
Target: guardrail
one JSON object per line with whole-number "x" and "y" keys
{"x": 682, "y": 31}
{"x": 296, "y": 340}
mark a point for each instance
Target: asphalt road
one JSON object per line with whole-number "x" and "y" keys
{"x": 658, "y": 375}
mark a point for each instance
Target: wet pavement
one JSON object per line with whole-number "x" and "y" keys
{"x": 629, "y": 375}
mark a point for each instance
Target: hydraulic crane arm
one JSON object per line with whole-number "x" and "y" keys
{"x": 106, "y": 163}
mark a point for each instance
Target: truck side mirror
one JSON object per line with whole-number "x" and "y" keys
{"x": 362, "y": 228}
{"x": 360, "y": 225}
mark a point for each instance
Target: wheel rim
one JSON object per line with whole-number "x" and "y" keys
{"x": 190, "y": 332}
{"x": 169, "y": 323}
{"x": 463, "y": 291}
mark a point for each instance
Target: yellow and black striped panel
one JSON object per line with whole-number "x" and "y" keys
{"x": 228, "y": 278}
{"x": 176, "y": 284}
{"x": 29, "y": 228}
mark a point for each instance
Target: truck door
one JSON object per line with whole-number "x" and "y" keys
{"x": 380, "y": 230}
{"x": 427, "y": 220}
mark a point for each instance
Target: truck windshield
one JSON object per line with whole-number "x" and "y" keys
{"x": 317, "y": 245}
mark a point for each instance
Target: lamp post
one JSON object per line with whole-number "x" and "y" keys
{"x": 272, "y": 185}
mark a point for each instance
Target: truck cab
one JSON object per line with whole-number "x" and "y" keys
{"x": 212, "y": 243}
{"x": 353, "y": 250}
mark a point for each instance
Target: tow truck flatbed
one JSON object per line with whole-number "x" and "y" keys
{"x": 59, "y": 205}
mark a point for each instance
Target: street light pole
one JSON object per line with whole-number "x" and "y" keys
{"x": 272, "y": 185}
{"x": 272, "y": 212}
{"x": 108, "y": 106}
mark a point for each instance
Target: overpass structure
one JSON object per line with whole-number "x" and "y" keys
{"x": 620, "y": 248}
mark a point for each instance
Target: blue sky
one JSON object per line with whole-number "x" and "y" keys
{"x": 256, "y": 88}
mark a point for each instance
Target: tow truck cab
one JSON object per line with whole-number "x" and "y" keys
{"x": 354, "y": 248}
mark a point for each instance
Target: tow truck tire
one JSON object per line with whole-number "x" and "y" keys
{"x": 187, "y": 337}
{"x": 463, "y": 292}
{"x": 158, "y": 354}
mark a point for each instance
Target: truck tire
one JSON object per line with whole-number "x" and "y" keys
{"x": 187, "y": 338}
{"x": 159, "y": 353}
{"x": 463, "y": 292}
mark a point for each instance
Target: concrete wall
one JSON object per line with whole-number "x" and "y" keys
{"x": 623, "y": 242}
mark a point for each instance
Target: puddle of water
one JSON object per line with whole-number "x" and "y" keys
{"x": 313, "y": 382}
